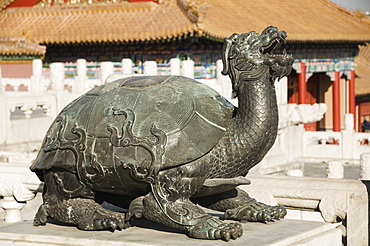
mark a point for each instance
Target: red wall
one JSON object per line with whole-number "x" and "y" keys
{"x": 22, "y": 3}
{"x": 16, "y": 70}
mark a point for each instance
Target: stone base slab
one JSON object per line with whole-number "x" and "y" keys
{"x": 279, "y": 233}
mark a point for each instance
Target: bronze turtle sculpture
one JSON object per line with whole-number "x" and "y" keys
{"x": 160, "y": 145}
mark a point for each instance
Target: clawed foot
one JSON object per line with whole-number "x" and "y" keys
{"x": 90, "y": 217}
{"x": 41, "y": 216}
{"x": 105, "y": 219}
{"x": 256, "y": 211}
{"x": 213, "y": 228}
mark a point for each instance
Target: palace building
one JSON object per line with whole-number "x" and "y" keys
{"x": 324, "y": 38}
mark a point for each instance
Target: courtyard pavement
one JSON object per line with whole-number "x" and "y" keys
{"x": 318, "y": 170}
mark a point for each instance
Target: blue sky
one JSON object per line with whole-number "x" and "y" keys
{"x": 363, "y": 5}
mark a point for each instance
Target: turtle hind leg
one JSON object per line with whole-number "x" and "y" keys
{"x": 237, "y": 204}
{"x": 83, "y": 212}
{"x": 87, "y": 215}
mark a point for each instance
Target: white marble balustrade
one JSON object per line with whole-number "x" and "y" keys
{"x": 18, "y": 185}
{"x": 335, "y": 200}
{"x": 346, "y": 145}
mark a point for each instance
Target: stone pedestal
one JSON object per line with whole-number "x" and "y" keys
{"x": 284, "y": 232}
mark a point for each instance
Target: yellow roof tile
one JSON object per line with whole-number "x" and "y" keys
{"x": 95, "y": 23}
{"x": 303, "y": 20}
{"x": 362, "y": 80}
{"x": 4, "y": 3}
{"x": 20, "y": 47}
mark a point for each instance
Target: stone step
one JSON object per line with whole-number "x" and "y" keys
{"x": 278, "y": 233}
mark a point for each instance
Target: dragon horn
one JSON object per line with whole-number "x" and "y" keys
{"x": 225, "y": 55}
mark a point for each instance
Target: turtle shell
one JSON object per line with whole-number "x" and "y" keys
{"x": 190, "y": 117}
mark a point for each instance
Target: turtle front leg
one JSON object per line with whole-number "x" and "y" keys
{"x": 201, "y": 225}
{"x": 237, "y": 204}
{"x": 169, "y": 204}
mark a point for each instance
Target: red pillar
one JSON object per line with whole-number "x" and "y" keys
{"x": 336, "y": 102}
{"x": 302, "y": 87}
{"x": 352, "y": 100}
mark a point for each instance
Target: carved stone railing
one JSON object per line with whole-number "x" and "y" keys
{"x": 18, "y": 185}
{"x": 347, "y": 145}
{"x": 322, "y": 144}
{"x": 337, "y": 200}
{"x": 25, "y": 118}
{"x": 16, "y": 84}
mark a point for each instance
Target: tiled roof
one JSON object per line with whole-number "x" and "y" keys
{"x": 96, "y": 23}
{"x": 4, "y": 3}
{"x": 304, "y": 20}
{"x": 20, "y": 47}
{"x": 362, "y": 80}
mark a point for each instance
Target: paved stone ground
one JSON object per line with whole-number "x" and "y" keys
{"x": 318, "y": 170}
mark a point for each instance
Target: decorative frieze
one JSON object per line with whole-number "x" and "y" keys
{"x": 326, "y": 65}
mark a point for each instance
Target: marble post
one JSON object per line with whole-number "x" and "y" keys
{"x": 348, "y": 122}
{"x": 106, "y": 69}
{"x": 36, "y": 85}
{"x": 224, "y": 81}
{"x": 80, "y": 86}
{"x": 150, "y": 68}
{"x": 37, "y": 67}
{"x": 175, "y": 66}
{"x": 282, "y": 90}
{"x": 365, "y": 166}
{"x": 57, "y": 84}
{"x": 57, "y": 76}
{"x": 81, "y": 67}
{"x": 334, "y": 170}
{"x": 347, "y": 134}
{"x": 188, "y": 68}
{"x": 126, "y": 66}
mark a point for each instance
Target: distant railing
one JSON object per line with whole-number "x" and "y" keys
{"x": 346, "y": 144}
{"x": 201, "y": 71}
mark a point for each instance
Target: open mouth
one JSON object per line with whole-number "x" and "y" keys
{"x": 275, "y": 44}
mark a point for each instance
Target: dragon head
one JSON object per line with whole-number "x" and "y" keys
{"x": 250, "y": 55}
